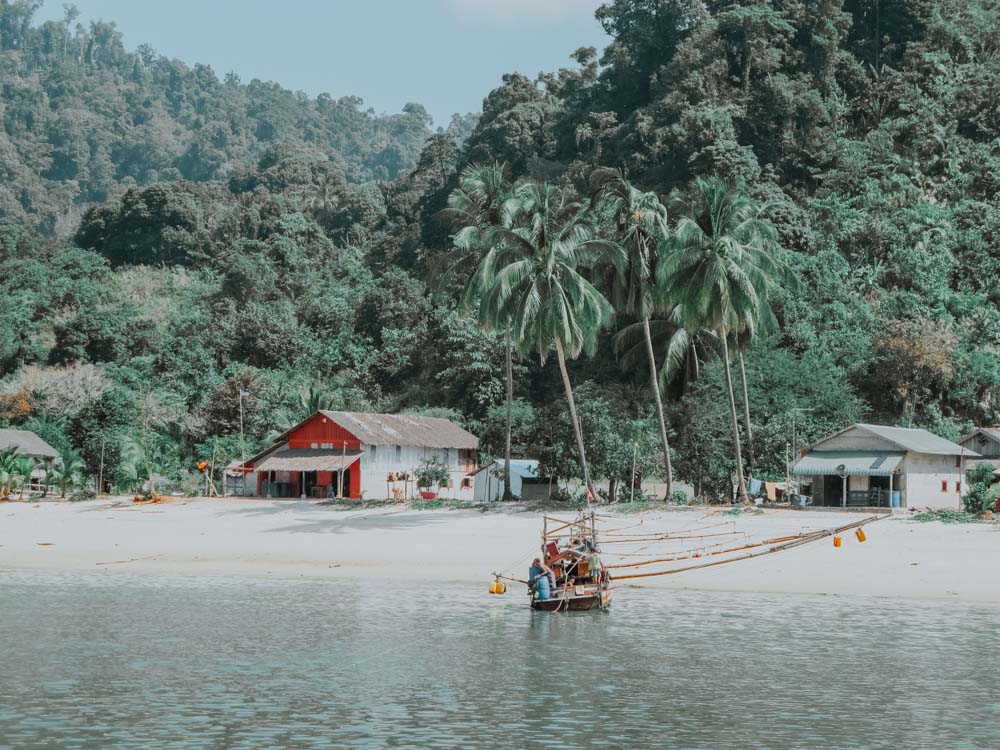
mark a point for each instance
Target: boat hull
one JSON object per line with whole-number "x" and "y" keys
{"x": 573, "y": 603}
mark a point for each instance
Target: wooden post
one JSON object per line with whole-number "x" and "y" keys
{"x": 631, "y": 497}
{"x": 340, "y": 483}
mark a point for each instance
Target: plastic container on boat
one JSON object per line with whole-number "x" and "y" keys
{"x": 542, "y": 589}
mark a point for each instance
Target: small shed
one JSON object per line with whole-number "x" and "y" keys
{"x": 867, "y": 465}
{"x": 525, "y": 483}
{"x": 28, "y": 444}
{"x": 986, "y": 442}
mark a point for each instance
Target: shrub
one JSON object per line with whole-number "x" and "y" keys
{"x": 978, "y": 497}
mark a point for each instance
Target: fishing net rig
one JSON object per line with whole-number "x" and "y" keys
{"x": 638, "y": 550}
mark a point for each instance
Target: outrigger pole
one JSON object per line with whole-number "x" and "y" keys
{"x": 796, "y": 542}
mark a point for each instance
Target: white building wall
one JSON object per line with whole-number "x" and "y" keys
{"x": 379, "y": 461}
{"x": 932, "y": 481}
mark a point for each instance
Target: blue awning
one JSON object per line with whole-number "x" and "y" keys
{"x": 847, "y": 463}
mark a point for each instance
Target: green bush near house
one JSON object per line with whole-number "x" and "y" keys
{"x": 979, "y": 497}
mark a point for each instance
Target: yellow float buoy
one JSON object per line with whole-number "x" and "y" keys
{"x": 501, "y": 587}
{"x": 837, "y": 541}
{"x": 860, "y": 534}
{"x": 493, "y": 587}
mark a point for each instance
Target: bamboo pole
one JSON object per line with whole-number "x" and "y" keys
{"x": 815, "y": 536}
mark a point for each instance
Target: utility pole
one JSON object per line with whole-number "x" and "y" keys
{"x": 795, "y": 450}
{"x": 243, "y": 448}
{"x": 340, "y": 474}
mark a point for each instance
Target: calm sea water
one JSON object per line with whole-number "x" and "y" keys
{"x": 122, "y": 661}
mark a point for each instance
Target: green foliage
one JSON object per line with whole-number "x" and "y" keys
{"x": 946, "y": 516}
{"x": 978, "y": 497}
{"x": 431, "y": 473}
{"x": 165, "y": 234}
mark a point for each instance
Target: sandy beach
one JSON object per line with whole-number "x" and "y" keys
{"x": 902, "y": 557}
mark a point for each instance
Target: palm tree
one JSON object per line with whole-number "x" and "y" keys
{"x": 23, "y": 468}
{"x": 475, "y": 208}
{"x": 531, "y": 278}
{"x": 679, "y": 352}
{"x": 640, "y": 223}
{"x": 68, "y": 470}
{"x": 323, "y": 198}
{"x": 720, "y": 268}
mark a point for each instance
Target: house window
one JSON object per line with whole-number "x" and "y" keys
{"x": 958, "y": 462}
{"x": 374, "y": 452}
{"x": 326, "y": 445}
{"x": 399, "y": 453}
{"x": 467, "y": 484}
{"x": 314, "y": 446}
{"x": 944, "y": 485}
{"x": 958, "y": 487}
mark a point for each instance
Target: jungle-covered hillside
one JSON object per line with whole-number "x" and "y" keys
{"x": 169, "y": 239}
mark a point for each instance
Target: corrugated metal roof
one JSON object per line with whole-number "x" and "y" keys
{"x": 27, "y": 444}
{"x": 847, "y": 463}
{"x": 919, "y": 441}
{"x": 909, "y": 439}
{"x": 403, "y": 429}
{"x": 307, "y": 459}
{"x": 992, "y": 433}
{"x": 526, "y": 468}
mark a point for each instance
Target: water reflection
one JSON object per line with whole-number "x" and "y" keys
{"x": 120, "y": 661}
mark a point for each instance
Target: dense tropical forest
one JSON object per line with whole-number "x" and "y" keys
{"x": 790, "y": 206}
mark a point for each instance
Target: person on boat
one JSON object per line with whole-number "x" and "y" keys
{"x": 541, "y": 579}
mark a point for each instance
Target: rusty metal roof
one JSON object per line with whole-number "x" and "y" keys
{"x": 309, "y": 459}
{"x": 27, "y": 444}
{"x": 403, "y": 429}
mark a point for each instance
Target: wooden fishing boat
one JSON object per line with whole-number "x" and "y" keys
{"x": 578, "y": 579}
{"x": 570, "y": 574}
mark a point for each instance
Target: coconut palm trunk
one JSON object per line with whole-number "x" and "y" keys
{"x": 744, "y": 497}
{"x": 655, "y": 384}
{"x": 746, "y": 410}
{"x": 507, "y": 494}
{"x": 576, "y": 422}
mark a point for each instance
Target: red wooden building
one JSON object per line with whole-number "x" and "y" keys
{"x": 350, "y": 454}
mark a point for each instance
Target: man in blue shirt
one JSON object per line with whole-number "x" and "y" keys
{"x": 541, "y": 578}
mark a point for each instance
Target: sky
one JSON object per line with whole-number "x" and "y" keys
{"x": 444, "y": 54}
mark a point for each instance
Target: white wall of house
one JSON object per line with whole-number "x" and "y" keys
{"x": 932, "y": 481}
{"x": 380, "y": 460}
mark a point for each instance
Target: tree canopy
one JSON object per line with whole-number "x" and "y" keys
{"x": 175, "y": 237}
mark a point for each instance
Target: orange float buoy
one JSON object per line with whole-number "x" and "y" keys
{"x": 501, "y": 587}
{"x": 860, "y": 534}
{"x": 493, "y": 587}
{"x": 837, "y": 541}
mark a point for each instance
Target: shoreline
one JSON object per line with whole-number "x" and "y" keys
{"x": 902, "y": 559}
